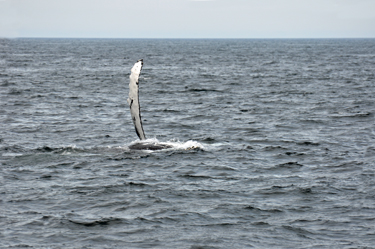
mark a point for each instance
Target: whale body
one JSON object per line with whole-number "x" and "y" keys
{"x": 135, "y": 111}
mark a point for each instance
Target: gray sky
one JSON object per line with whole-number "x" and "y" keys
{"x": 188, "y": 18}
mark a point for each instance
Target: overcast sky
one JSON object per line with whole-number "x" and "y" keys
{"x": 188, "y": 18}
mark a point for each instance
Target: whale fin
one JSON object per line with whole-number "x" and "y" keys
{"x": 133, "y": 100}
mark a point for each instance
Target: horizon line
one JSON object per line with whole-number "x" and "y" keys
{"x": 186, "y": 38}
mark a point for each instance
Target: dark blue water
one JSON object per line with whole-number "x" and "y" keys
{"x": 281, "y": 136}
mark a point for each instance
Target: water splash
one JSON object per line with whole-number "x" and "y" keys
{"x": 173, "y": 144}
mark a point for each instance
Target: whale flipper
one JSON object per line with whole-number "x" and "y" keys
{"x": 133, "y": 99}
{"x": 135, "y": 111}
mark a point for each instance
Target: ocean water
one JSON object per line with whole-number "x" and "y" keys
{"x": 273, "y": 144}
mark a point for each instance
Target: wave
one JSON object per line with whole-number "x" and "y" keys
{"x": 172, "y": 145}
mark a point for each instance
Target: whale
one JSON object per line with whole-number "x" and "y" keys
{"x": 135, "y": 112}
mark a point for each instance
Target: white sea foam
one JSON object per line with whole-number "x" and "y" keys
{"x": 174, "y": 143}
{"x": 191, "y": 144}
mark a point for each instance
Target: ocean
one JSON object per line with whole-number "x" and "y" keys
{"x": 272, "y": 144}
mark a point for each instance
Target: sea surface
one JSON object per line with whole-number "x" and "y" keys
{"x": 273, "y": 144}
